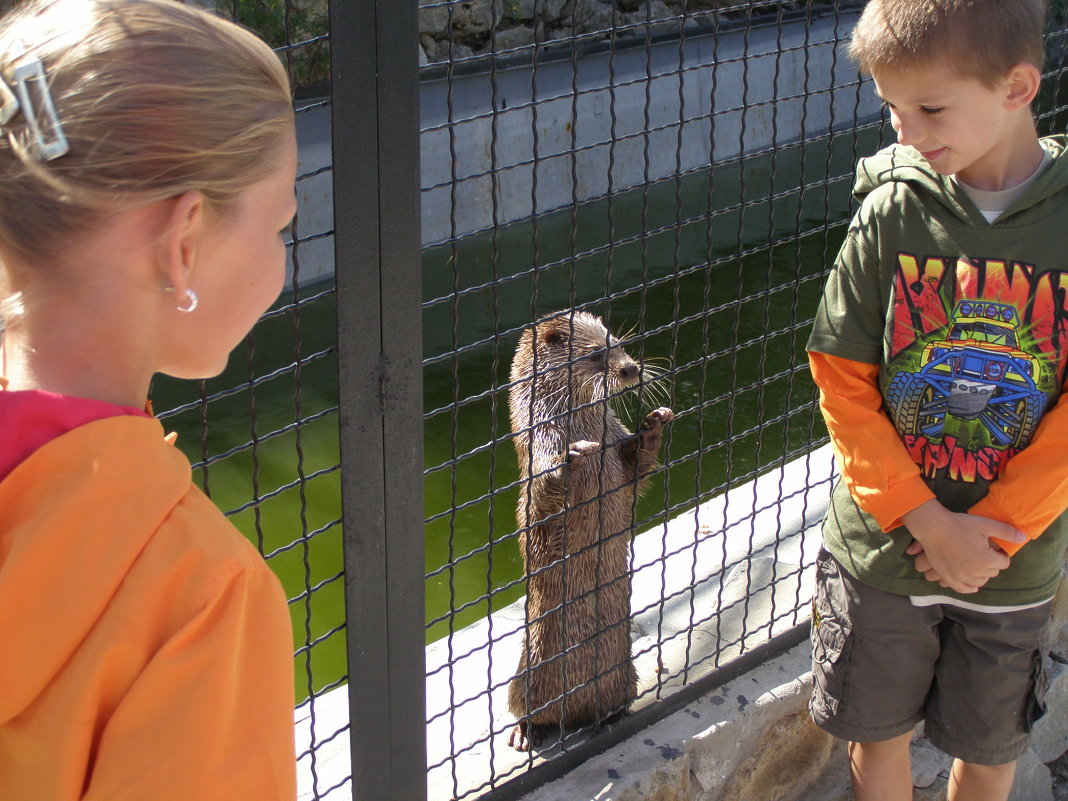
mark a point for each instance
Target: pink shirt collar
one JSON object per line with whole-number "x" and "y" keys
{"x": 31, "y": 418}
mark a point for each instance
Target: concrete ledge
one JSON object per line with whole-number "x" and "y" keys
{"x": 710, "y": 584}
{"x": 741, "y": 741}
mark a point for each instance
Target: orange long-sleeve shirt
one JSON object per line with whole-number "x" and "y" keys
{"x": 885, "y": 482}
{"x": 147, "y": 651}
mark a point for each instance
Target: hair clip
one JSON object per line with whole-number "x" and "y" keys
{"x": 33, "y": 71}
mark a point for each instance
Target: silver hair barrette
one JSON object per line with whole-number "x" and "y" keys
{"x": 36, "y": 104}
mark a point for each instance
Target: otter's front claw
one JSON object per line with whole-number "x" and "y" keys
{"x": 527, "y": 737}
{"x": 518, "y": 738}
{"x": 578, "y": 451}
{"x": 657, "y": 418}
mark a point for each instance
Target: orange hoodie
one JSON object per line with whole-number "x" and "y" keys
{"x": 147, "y": 651}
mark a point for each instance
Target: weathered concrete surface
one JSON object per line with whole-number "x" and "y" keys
{"x": 794, "y": 749}
{"x": 721, "y": 749}
{"x": 740, "y": 742}
{"x": 752, "y": 740}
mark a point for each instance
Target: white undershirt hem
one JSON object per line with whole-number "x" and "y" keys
{"x": 934, "y": 600}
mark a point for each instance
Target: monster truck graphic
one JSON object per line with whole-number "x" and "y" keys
{"x": 976, "y": 373}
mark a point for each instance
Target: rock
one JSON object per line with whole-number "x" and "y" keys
{"x": 1049, "y": 739}
{"x": 936, "y": 792}
{"x": 1058, "y": 622}
{"x": 1059, "y": 613}
{"x": 1059, "y": 770}
{"x": 509, "y": 38}
{"x": 559, "y": 33}
{"x": 653, "y": 11}
{"x": 928, "y": 763}
{"x": 1059, "y": 646}
{"x": 433, "y": 20}
{"x": 555, "y": 11}
{"x": 477, "y": 16}
{"x": 459, "y": 51}
{"x": 595, "y": 15}
{"x": 793, "y": 753}
{"x": 519, "y": 10}
{"x": 834, "y": 783}
{"x": 1033, "y": 780}
{"x": 435, "y": 50}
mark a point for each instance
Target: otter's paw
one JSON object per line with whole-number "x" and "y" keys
{"x": 651, "y": 428}
{"x": 657, "y": 418}
{"x": 578, "y": 451}
{"x": 524, "y": 736}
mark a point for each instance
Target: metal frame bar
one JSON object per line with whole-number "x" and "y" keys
{"x": 374, "y": 79}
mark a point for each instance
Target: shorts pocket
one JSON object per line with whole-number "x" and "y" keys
{"x": 1036, "y": 704}
{"x": 832, "y": 638}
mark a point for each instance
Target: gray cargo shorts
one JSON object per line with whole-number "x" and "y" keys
{"x": 881, "y": 665}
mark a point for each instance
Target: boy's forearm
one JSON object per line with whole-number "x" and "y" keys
{"x": 879, "y": 472}
{"x": 1032, "y": 491}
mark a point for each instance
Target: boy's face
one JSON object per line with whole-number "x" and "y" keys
{"x": 958, "y": 124}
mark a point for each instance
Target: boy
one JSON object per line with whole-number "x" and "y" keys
{"x": 939, "y": 349}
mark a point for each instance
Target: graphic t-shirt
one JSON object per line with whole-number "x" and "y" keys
{"x": 967, "y": 321}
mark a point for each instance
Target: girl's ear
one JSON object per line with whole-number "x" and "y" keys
{"x": 179, "y": 247}
{"x": 1024, "y": 81}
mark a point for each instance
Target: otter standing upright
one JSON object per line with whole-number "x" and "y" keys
{"x": 581, "y": 470}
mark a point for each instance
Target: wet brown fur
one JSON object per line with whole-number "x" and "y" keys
{"x": 570, "y": 443}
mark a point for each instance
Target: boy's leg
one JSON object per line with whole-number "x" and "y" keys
{"x": 970, "y": 782}
{"x": 873, "y": 657}
{"x": 881, "y": 771}
{"x": 988, "y": 692}
{"x": 873, "y": 660}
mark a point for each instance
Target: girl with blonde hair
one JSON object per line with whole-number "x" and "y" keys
{"x": 147, "y": 164}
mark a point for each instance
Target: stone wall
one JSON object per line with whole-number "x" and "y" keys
{"x": 473, "y": 27}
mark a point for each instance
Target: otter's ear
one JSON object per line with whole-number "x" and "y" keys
{"x": 553, "y": 336}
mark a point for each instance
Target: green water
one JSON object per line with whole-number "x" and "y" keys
{"x": 730, "y": 336}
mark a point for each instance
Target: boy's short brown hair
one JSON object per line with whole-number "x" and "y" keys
{"x": 981, "y": 39}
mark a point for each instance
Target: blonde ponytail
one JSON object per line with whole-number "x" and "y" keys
{"x": 155, "y": 98}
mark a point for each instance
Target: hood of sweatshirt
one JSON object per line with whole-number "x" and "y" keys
{"x": 903, "y": 164}
{"x": 76, "y": 515}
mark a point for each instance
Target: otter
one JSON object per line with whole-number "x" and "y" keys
{"x": 580, "y": 471}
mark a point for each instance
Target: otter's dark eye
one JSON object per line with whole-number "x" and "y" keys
{"x": 597, "y": 356}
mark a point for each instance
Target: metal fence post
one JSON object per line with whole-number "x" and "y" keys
{"x": 375, "y": 102}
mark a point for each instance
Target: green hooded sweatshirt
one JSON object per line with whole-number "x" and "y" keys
{"x": 968, "y": 322}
